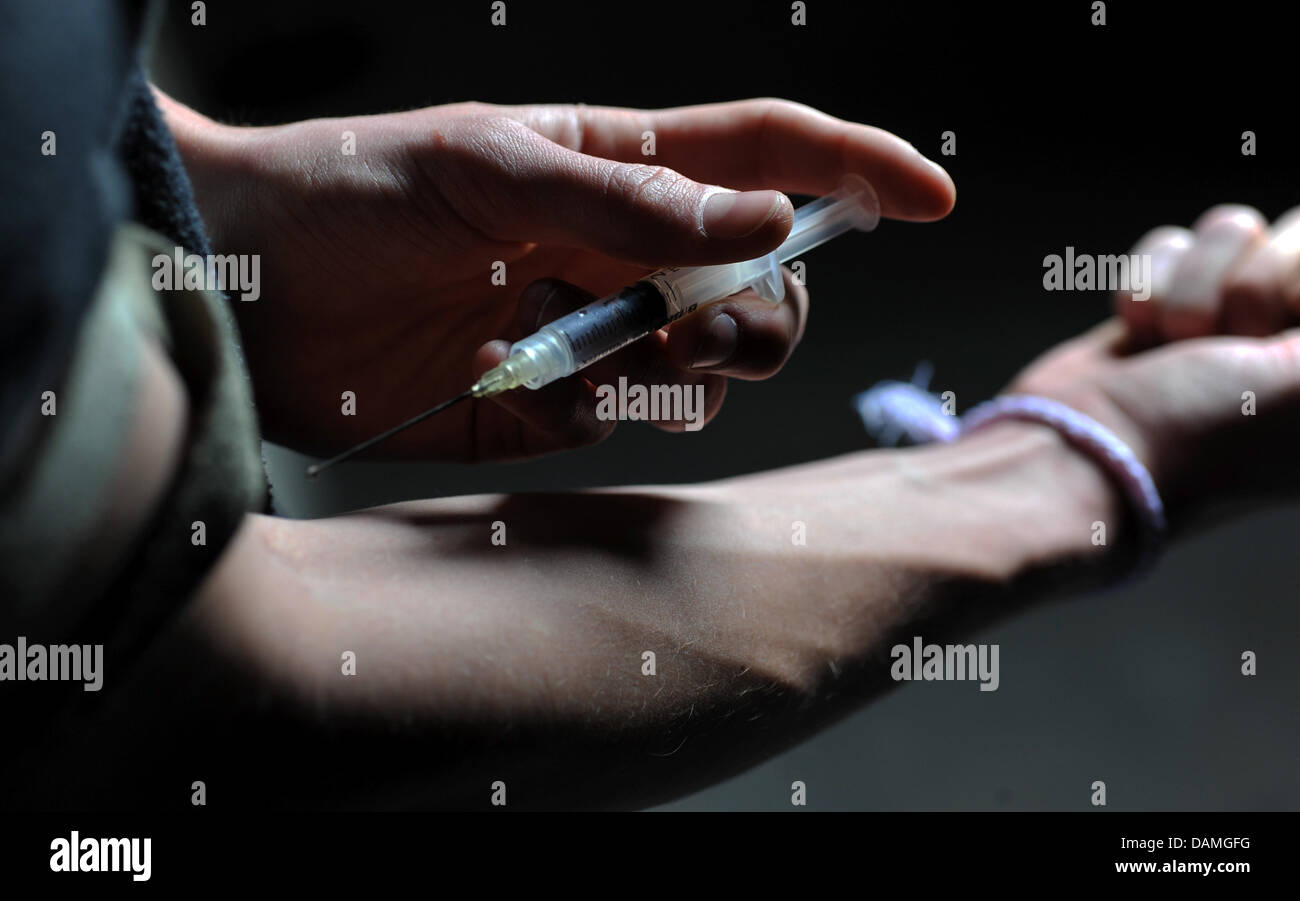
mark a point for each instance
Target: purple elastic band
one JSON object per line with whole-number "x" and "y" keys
{"x": 893, "y": 409}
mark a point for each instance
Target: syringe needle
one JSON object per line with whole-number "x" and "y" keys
{"x": 317, "y": 468}
{"x": 575, "y": 341}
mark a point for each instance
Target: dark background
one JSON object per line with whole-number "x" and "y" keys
{"x": 1067, "y": 134}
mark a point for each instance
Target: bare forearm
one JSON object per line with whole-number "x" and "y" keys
{"x": 218, "y": 164}
{"x": 525, "y": 661}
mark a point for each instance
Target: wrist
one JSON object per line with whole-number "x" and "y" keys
{"x": 936, "y": 537}
{"x": 220, "y": 161}
{"x": 1047, "y": 503}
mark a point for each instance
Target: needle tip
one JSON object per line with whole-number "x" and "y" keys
{"x": 317, "y": 468}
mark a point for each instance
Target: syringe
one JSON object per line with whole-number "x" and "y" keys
{"x": 575, "y": 341}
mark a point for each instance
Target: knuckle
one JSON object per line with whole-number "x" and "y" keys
{"x": 1283, "y": 356}
{"x": 471, "y": 108}
{"x": 1163, "y": 236}
{"x": 1229, "y": 217}
{"x": 472, "y": 142}
{"x": 639, "y": 182}
{"x": 567, "y": 124}
{"x": 496, "y": 128}
{"x": 476, "y": 155}
{"x": 778, "y": 106}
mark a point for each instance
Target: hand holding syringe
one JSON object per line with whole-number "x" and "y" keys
{"x": 573, "y": 342}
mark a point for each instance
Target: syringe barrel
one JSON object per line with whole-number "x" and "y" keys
{"x": 577, "y": 340}
{"x": 853, "y": 205}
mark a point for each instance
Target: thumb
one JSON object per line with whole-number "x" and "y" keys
{"x": 635, "y": 212}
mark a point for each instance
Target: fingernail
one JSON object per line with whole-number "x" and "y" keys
{"x": 732, "y": 214}
{"x": 718, "y": 343}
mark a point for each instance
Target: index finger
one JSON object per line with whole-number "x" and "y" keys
{"x": 755, "y": 144}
